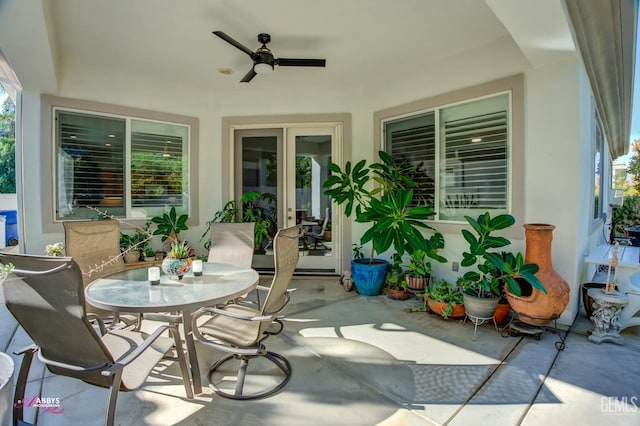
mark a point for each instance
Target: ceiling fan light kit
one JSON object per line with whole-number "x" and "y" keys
{"x": 263, "y": 60}
{"x": 262, "y": 68}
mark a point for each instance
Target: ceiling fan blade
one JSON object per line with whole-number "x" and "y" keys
{"x": 234, "y": 43}
{"x": 288, "y": 62}
{"x": 248, "y": 76}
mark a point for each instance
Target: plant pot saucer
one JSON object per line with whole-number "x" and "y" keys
{"x": 398, "y": 295}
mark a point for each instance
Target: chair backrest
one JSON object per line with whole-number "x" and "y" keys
{"x": 286, "y": 253}
{"x": 232, "y": 243}
{"x": 324, "y": 223}
{"x": 46, "y": 296}
{"x": 95, "y": 246}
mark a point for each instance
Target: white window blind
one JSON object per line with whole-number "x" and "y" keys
{"x": 90, "y": 163}
{"x": 412, "y": 140}
{"x": 92, "y": 160}
{"x": 471, "y": 162}
{"x": 474, "y": 158}
{"x": 156, "y": 169}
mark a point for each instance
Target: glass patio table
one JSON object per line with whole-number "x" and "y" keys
{"x": 131, "y": 291}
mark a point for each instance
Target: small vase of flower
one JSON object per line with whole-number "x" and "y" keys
{"x": 177, "y": 263}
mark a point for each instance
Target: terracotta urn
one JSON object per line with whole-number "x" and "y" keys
{"x": 535, "y": 307}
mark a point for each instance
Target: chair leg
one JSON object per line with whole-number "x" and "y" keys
{"x": 21, "y": 384}
{"x": 242, "y": 373}
{"x": 278, "y": 360}
{"x": 116, "y": 378}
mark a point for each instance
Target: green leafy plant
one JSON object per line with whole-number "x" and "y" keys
{"x": 627, "y": 215}
{"x": 356, "y": 251}
{"x": 395, "y": 275}
{"x": 55, "y": 249}
{"x": 419, "y": 264}
{"x": 169, "y": 225}
{"x": 252, "y": 211}
{"x": 389, "y": 210}
{"x": 5, "y": 270}
{"x": 179, "y": 250}
{"x": 443, "y": 291}
{"x": 495, "y": 269}
{"x": 148, "y": 252}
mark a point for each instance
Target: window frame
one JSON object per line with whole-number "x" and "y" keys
{"x": 598, "y": 142}
{"x": 513, "y": 85}
{"x": 49, "y": 104}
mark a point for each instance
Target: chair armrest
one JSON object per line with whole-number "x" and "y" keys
{"x": 95, "y": 318}
{"x": 225, "y": 313}
{"x": 127, "y": 359}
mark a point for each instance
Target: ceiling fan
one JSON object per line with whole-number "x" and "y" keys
{"x": 263, "y": 60}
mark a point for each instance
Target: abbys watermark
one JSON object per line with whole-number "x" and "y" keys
{"x": 47, "y": 404}
{"x": 619, "y": 405}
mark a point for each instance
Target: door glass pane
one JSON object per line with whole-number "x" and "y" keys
{"x": 260, "y": 175}
{"x": 313, "y": 208}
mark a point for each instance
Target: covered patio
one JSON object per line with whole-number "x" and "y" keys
{"x": 356, "y": 360}
{"x": 368, "y": 361}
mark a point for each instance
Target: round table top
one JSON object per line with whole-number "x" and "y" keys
{"x": 131, "y": 291}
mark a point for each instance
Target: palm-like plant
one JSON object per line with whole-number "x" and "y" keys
{"x": 169, "y": 225}
{"x": 394, "y": 220}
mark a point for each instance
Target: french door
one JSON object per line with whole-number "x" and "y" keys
{"x": 287, "y": 166}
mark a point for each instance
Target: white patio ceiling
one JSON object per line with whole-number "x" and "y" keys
{"x": 365, "y": 42}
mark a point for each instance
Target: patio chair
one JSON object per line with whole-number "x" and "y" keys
{"x": 241, "y": 329}
{"x": 317, "y": 238}
{"x": 232, "y": 243}
{"x": 46, "y": 296}
{"x": 95, "y": 246}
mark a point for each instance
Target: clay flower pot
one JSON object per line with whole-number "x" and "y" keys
{"x": 439, "y": 308}
{"x": 534, "y": 307}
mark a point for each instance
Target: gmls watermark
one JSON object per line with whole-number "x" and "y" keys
{"x": 619, "y": 405}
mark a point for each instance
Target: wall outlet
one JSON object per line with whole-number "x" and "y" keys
{"x": 455, "y": 266}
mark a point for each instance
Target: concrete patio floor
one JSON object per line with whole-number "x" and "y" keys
{"x": 369, "y": 361}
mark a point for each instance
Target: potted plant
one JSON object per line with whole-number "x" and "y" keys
{"x": 177, "y": 263}
{"x": 442, "y": 299}
{"x": 149, "y": 254}
{"x": 389, "y": 211}
{"x": 396, "y": 282}
{"x": 255, "y": 208}
{"x": 130, "y": 247}
{"x": 169, "y": 225}
{"x": 419, "y": 268}
{"x": 495, "y": 270}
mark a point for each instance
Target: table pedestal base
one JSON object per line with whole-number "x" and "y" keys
{"x": 606, "y": 315}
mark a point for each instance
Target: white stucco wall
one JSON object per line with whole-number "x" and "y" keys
{"x": 553, "y": 172}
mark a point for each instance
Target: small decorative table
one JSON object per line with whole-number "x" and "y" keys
{"x": 606, "y": 315}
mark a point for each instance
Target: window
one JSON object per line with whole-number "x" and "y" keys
{"x": 597, "y": 170}
{"x": 127, "y": 167}
{"x": 461, "y": 153}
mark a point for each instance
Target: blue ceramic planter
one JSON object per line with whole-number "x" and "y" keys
{"x": 368, "y": 277}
